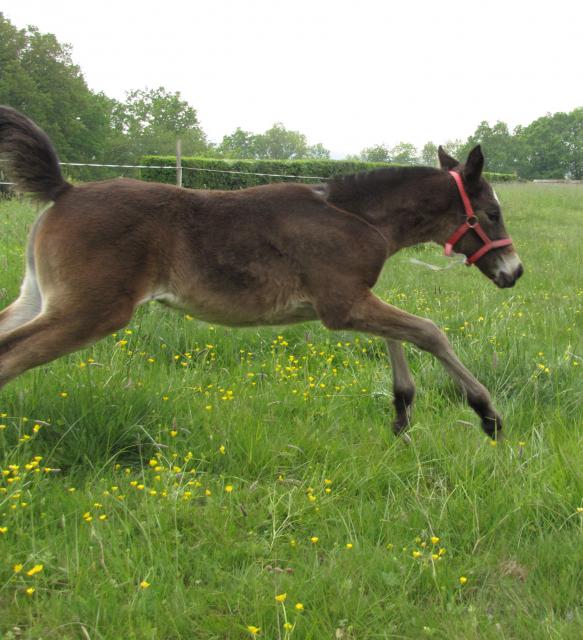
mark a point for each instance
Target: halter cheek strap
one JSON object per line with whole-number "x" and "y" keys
{"x": 471, "y": 223}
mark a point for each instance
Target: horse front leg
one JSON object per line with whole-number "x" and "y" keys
{"x": 403, "y": 386}
{"x": 369, "y": 314}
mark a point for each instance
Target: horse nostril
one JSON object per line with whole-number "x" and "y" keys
{"x": 519, "y": 272}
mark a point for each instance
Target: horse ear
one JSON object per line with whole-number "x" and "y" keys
{"x": 445, "y": 160}
{"x": 474, "y": 165}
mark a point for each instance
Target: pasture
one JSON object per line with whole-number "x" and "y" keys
{"x": 182, "y": 480}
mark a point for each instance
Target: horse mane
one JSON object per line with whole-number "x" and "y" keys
{"x": 366, "y": 182}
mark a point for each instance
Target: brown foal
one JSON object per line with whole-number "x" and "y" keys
{"x": 276, "y": 254}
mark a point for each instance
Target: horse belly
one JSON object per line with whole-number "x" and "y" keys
{"x": 252, "y": 308}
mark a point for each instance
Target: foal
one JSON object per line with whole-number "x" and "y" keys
{"x": 274, "y": 254}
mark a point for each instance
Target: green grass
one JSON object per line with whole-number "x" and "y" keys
{"x": 296, "y": 420}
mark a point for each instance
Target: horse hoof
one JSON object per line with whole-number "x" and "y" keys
{"x": 492, "y": 426}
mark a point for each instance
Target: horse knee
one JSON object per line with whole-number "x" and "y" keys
{"x": 432, "y": 339}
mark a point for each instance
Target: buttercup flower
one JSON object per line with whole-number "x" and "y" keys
{"x": 36, "y": 569}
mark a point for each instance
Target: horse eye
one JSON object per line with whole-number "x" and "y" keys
{"x": 494, "y": 216}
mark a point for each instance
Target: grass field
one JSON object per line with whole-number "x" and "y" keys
{"x": 181, "y": 480}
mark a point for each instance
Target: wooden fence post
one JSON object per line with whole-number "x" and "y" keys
{"x": 179, "y": 162}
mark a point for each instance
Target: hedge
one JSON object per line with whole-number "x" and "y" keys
{"x": 310, "y": 171}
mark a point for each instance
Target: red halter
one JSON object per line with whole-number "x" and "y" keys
{"x": 471, "y": 222}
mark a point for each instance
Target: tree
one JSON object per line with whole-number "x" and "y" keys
{"x": 498, "y": 145}
{"x": 240, "y": 144}
{"x": 151, "y": 121}
{"x": 39, "y": 78}
{"x": 552, "y": 146}
{"x": 377, "y": 153}
{"x": 277, "y": 143}
{"x": 457, "y": 149}
{"x": 404, "y": 153}
{"x": 318, "y": 152}
{"x": 429, "y": 154}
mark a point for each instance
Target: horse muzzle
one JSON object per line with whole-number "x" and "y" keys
{"x": 509, "y": 269}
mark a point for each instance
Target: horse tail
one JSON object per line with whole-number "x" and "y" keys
{"x": 29, "y": 156}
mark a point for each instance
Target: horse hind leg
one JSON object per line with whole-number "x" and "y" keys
{"x": 26, "y": 307}
{"x": 56, "y": 332}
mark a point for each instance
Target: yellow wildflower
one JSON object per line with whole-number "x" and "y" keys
{"x": 144, "y": 584}
{"x": 281, "y": 597}
{"x": 36, "y": 569}
{"x": 463, "y": 580}
{"x": 299, "y": 606}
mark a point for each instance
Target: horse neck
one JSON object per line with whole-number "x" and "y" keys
{"x": 408, "y": 208}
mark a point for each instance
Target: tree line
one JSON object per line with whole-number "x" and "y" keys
{"x": 39, "y": 77}
{"x": 549, "y": 147}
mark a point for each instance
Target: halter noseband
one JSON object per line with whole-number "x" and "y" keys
{"x": 471, "y": 222}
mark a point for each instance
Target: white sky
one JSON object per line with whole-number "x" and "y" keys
{"x": 347, "y": 73}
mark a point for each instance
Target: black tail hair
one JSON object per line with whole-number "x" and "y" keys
{"x": 29, "y": 157}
